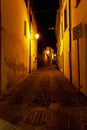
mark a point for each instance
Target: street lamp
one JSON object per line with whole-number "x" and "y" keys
{"x": 37, "y": 36}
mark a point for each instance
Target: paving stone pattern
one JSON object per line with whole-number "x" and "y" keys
{"x": 45, "y": 100}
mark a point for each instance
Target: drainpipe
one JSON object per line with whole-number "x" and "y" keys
{"x": 78, "y": 65}
{"x": 70, "y": 64}
{"x": 0, "y": 47}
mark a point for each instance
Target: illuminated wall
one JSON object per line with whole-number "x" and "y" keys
{"x": 79, "y": 15}
{"x": 63, "y": 38}
{"x": 66, "y": 38}
{"x": 59, "y": 37}
{"x": 15, "y": 43}
{"x": 33, "y": 45}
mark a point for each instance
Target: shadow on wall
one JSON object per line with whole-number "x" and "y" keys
{"x": 15, "y": 72}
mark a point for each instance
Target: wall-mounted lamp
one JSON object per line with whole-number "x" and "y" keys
{"x": 37, "y": 36}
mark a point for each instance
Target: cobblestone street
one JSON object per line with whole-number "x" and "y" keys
{"x": 45, "y": 101}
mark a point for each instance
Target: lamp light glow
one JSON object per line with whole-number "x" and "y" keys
{"x": 37, "y": 36}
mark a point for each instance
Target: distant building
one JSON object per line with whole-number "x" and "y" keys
{"x": 71, "y": 20}
{"x": 48, "y": 56}
{"x": 15, "y": 40}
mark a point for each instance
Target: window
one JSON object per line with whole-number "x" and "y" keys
{"x": 65, "y": 19}
{"x": 77, "y": 3}
{"x": 25, "y": 28}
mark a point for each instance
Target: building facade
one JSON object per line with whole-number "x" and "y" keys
{"x": 15, "y": 40}
{"x": 79, "y": 44}
{"x": 48, "y": 56}
{"x": 73, "y": 39}
{"x": 63, "y": 37}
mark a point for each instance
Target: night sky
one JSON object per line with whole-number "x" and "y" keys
{"x": 45, "y": 11}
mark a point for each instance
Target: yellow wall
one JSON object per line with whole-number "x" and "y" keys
{"x": 15, "y": 45}
{"x": 66, "y": 40}
{"x": 79, "y": 15}
{"x": 33, "y": 45}
{"x": 34, "y": 55}
{"x": 66, "y": 54}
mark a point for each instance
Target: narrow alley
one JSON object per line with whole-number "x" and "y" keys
{"x": 45, "y": 100}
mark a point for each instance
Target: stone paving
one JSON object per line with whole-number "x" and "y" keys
{"x": 4, "y": 125}
{"x": 44, "y": 101}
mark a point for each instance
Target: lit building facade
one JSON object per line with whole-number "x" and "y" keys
{"x": 48, "y": 56}
{"x": 59, "y": 36}
{"x": 79, "y": 20}
{"x": 73, "y": 41}
{"x": 63, "y": 37}
{"x": 15, "y": 36}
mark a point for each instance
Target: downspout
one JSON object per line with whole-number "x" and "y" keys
{"x": 70, "y": 64}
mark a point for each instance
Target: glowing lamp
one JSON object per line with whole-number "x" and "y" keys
{"x": 37, "y": 36}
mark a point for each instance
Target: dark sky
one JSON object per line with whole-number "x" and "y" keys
{"x": 45, "y": 11}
